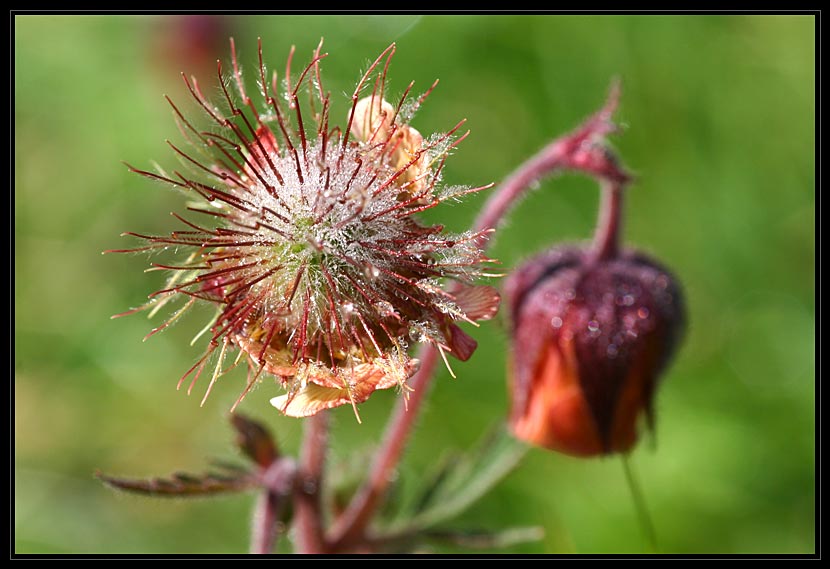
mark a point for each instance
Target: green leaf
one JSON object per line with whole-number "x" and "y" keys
{"x": 410, "y": 540}
{"x": 462, "y": 481}
{"x": 484, "y": 539}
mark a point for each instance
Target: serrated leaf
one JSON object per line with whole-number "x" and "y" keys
{"x": 254, "y": 440}
{"x": 468, "y": 479}
{"x": 486, "y": 539}
{"x": 434, "y": 481}
{"x": 182, "y": 485}
{"x": 227, "y": 467}
{"x": 345, "y": 476}
{"x": 412, "y": 539}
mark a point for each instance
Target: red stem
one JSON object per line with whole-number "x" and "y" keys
{"x": 609, "y": 221}
{"x": 580, "y": 150}
{"x": 308, "y": 515}
{"x": 278, "y": 482}
{"x": 264, "y": 530}
{"x": 546, "y": 161}
{"x": 351, "y": 524}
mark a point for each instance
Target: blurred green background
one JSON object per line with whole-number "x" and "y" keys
{"x": 719, "y": 115}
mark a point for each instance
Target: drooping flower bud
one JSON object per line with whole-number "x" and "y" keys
{"x": 590, "y": 339}
{"x": 592, "y": 326}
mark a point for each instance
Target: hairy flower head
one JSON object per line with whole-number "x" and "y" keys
{"x": 305, "y": 238}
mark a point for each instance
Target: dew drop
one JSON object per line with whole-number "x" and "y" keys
{"x": 371, "y": 272}
{"x": 625, "y": 300}
{"x": 642, "y": 312}
{"x": 612, "y": 350}
{"x": 556, "y": 322}
{"x": 593, "y": 326}
{"x": 385, "y": 308}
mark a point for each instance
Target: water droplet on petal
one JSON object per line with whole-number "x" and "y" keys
{"x": 371, "y": 272}
{"x": 625, "y": 300}
{"x": 385, "y": 309}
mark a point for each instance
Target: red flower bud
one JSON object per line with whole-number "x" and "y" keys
{"x": 590, "y": 339}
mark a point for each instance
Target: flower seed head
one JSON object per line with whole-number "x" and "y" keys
{"x": 306, "y": 240}
{"x": 590, "y": 339}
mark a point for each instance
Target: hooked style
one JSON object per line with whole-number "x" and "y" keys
{"x": 309, "y": 246}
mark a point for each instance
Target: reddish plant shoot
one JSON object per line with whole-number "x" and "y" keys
{"x": 306, "y": 240}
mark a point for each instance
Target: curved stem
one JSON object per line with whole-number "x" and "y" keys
{"x": 609, "y": 222}
{"x": 546, "y": 161}
{"x": 308, "y": 515}
{"x": 579, "y": 151}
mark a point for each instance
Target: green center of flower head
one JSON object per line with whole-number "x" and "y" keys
{"x": 302, "y": 229}
{"x": 291, "y": 253}
{"x": 297, "y": 248}
{"x": 302, "y": 224}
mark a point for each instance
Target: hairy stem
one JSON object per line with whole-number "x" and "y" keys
{"x": 352, "y": 523}
{"x": 308, "y": 514}
{"x": 278, "y": 481}
{"x": 607, "y": 234}
{"x": 580, "y": 150}
{"x": 265, "y": 521}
